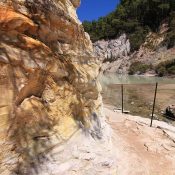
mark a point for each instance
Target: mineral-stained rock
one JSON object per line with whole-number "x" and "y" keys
{"x": 48, "y": 80}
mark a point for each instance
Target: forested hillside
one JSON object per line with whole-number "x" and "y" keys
{"x": 135, "y": 18}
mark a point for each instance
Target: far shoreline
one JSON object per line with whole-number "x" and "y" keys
{"x": 147, "y": 74}
{"x": 154, "y": 75}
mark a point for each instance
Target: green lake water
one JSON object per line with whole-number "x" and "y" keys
{"x": 133, "y": 79}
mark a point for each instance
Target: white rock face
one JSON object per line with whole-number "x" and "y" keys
{"x": 112, "y": 49}
{"x": 114, "y": 54}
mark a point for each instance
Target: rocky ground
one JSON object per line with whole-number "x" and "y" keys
{"x": 134, "y": 149}
{"x": 140, "y": 149}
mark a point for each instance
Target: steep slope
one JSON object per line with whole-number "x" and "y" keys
{"x": 153, "y": 56}
{"x": 136, "y": 19}
{"x": 142, "y": 22}
{"x": 154, "y": 52}
{"x": 48, "y": 81}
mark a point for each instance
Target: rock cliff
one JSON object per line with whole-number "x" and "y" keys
{"x": 48, "y": 81}
{"x": 113, "y": 53}
{"x": 154, "y": 50}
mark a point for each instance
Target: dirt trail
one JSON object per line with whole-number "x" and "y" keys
{"x": 141, "y": 150}
{"x": 134, "y": 149}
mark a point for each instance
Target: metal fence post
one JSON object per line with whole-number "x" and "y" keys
{"x": 154, "y": 105}
{"x": 122, "y": 98}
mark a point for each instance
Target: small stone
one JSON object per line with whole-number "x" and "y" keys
{"x": 107, "y": 163}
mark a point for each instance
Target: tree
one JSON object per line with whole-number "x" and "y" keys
{"x": 135, "y": 18}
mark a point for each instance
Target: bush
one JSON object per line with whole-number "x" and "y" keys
{"x": 139, "y": 68}
{"x": 161, "y": 71}
{"x": 170, "y": 39}
{"x": 137, "y": 38}
{"x": 171, "y": 70}
{"x": 166, "y": 68}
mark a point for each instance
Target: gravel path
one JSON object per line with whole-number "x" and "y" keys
{"x": 140, "y": 149}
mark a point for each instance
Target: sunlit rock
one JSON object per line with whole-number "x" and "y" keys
{"x": 48, "y": 81}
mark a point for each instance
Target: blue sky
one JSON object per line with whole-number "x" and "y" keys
{"x": 93, "y": 9}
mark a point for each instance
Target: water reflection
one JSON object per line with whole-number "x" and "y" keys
{"x": 133, "y": 79}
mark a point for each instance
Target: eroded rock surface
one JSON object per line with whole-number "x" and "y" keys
{"x": 116, "y": 57}
{"x": 154, "y": 50}
{"x": 48, "y": 81}
{"x": 114, "y": 54}
{"x": 112, "y": 49}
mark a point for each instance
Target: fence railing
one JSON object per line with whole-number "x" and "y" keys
{"x": 154, "y": 101}
{"x": 147, "y": 100}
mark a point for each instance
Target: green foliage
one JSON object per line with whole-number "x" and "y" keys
{"x": 135, "y": 18}
{"x": 139, "y": 67}
{"x": 166, "y": 68}
{"x": 138, "y": 37}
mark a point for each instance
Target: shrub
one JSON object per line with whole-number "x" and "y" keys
{"x": 166, "y": 68}
{"x": 161, "y": 71}
{"x": 139, "y": 67}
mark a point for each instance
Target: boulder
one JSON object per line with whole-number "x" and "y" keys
{"x": 170, "y": 112}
